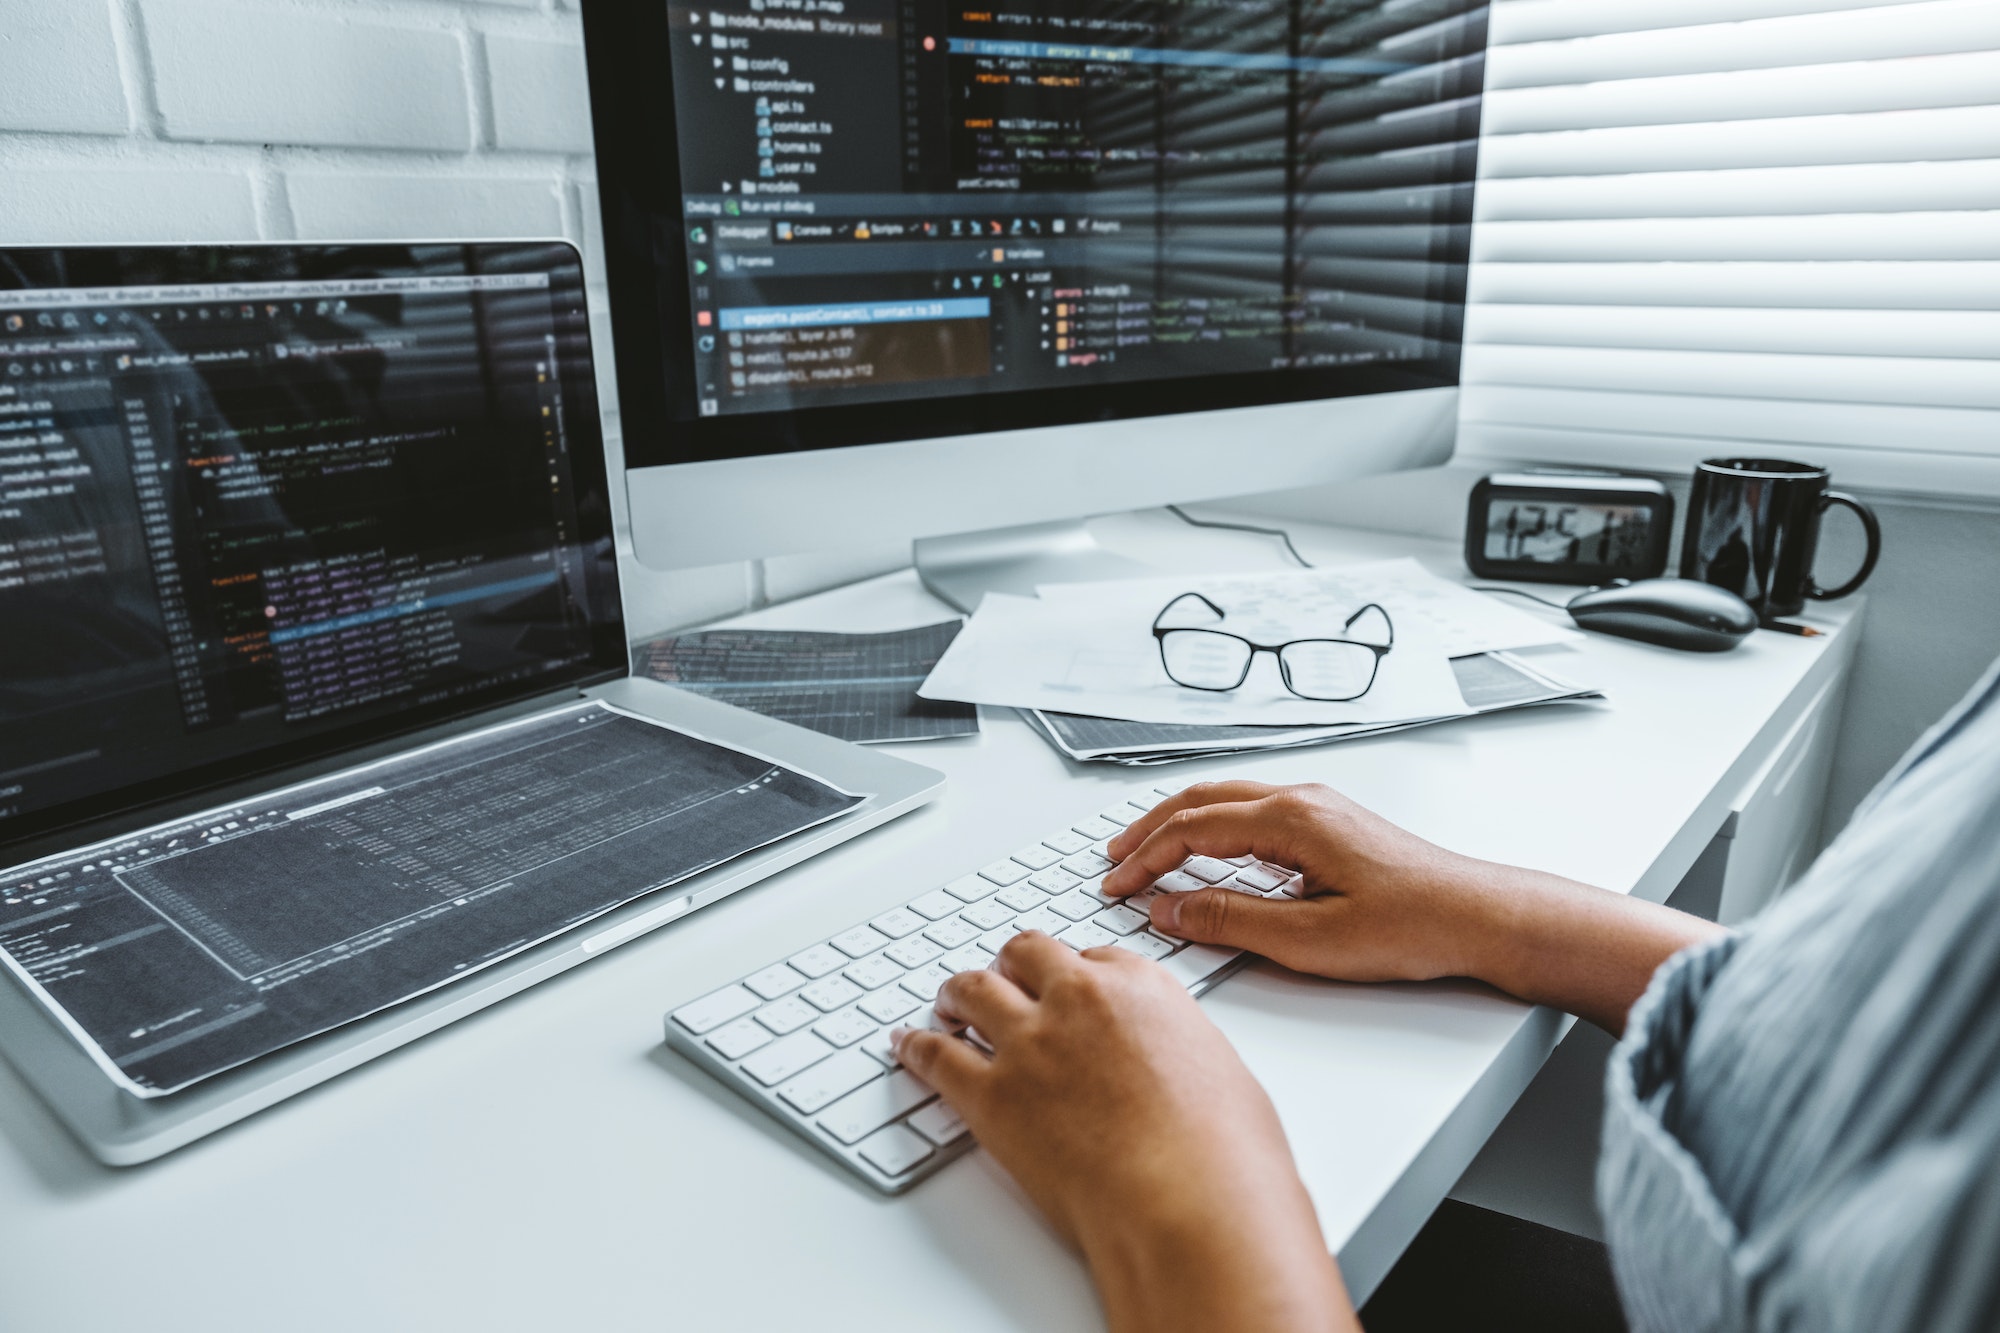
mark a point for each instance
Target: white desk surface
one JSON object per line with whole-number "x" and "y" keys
{"x": 548, "y": 1164}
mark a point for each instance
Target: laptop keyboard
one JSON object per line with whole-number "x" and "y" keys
{"x": 807, "y": 1038}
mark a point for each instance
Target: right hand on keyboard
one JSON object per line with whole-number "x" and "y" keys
{"x": 1380, "y": 904}
{"x": 1130, "y": 1121}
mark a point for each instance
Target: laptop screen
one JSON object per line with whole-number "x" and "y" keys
{"x": 260, "y": 504}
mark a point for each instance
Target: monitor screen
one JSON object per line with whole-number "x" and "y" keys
{"x": 836, "y": 222}
{"x": 260, "y": 504}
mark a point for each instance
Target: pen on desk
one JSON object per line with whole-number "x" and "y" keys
{"x": 1803, "y": 631}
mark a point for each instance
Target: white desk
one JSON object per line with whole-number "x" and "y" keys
{"x": 549, "y": 1165}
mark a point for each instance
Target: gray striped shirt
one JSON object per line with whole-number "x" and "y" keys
{"x": 1802, "y": 1124}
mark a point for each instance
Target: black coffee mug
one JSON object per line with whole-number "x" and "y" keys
{"x": 1753, "y": 528}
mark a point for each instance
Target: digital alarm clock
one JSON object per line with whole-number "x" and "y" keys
{"x": 1568, "y": 527}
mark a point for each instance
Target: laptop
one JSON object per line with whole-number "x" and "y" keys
{"x": 317, "y": 724}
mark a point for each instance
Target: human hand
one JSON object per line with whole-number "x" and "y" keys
{"x": 1130, "y": 1121}
{"x": 1381, "y": 903}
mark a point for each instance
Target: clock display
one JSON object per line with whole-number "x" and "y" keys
{"x": 1543, "y": 532}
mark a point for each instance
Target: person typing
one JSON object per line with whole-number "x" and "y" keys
{"x": 1803, "y": 1119}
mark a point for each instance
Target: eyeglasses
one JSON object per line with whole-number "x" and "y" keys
{"x": 1329, "y": 670}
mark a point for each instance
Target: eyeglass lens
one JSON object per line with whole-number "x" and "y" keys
{"x": 1327, "y": 668}
{"x": 1203, "y": 660}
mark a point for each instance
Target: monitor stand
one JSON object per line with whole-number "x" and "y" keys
{"x": 965, "y": 566}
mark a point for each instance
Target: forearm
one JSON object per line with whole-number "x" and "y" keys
{"x": 1222, "y": 1271}
{"x": 1553, "y": 941}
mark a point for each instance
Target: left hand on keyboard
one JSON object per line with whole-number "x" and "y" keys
{"x": 1131, "y": 1122}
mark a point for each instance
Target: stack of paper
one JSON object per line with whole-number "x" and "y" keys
{"x": 1081, "y": 661}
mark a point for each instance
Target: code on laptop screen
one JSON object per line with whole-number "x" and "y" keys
{"x": 293, "y": 499}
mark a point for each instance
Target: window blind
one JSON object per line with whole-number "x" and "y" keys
{"x": 1765, "y": 227}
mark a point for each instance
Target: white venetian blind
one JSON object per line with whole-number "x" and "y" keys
{"x": 1741, "y": 226}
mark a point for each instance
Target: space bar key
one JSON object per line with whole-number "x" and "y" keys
{"x": 860, "y": 1113}
{"x": 1198, "y": 962}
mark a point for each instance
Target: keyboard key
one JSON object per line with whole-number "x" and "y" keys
{"x": 1121, "y": 920}
{"x": 1097, "y": 830}
{"x": 830, "y": 993}
{"x": 775, "y": 980}
{"x": 895, "y": 1150}
{"x": 1121, "y": 814}
{"x": 1095, "y": 888}
{"x": 1044, "y": 920}
{"x": 1088, "y": 865}
{"x": 1245, "y": 889}
{"x": 1295, "y": 887}
{"x": 1261, "y": 878}
{"x": 971, "y": 958}
{"x": 1023, "y": 898}
{"x": 873, "y": 972}
{"x": 862, "y": 1112}
{"x": 938, "y": 1123}
{"x": 1146, "y": 945}
{"x": 1178, "y": 881}
{"x": 845, "y": 1028}
{"x": 1003, "y": 873}
{"x": 886, "y": 1006}
{"x": 738, "y": 1039}
{"x": 859, "y": 942}
{"x": 1240, "y": 861}
{"x": 1084, "y": 935}
{"x": 1054, "y": 880}
{"x": 898, "y": 922}
{"x": 1076, "y": 906}
{"x": 829, "y": 1080}
{"x": 878, "y": 1045}
{"x": 995, "y": 940}
{"x": 971, "y": 888}
{"x": 925, "y": 981}
{"x": 1198, "y": 962}
{"x": 787, "y": 1015}
{"x": 935, "y": 905}
{"x": 987, "y": 915}
{"x": 1037, "y": 857}
{"x": 819, "y": 960}
{"x": 1069, "y": 844}
{"x": 913, "y": 953}
{"x": 780, "y": 1061}
{"x": 713, "y": 1010}
{"x": 950, "y": 934}
{"x": 1207, "y": 869}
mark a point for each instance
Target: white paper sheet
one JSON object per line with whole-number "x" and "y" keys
{"x": 1096, "y": 655}
{"x": 1459, "y": 620}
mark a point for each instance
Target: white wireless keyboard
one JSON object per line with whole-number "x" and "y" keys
{"x": 807, "y": 1038}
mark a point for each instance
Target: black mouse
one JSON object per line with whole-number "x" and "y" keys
{"x": 1676, "y": 613}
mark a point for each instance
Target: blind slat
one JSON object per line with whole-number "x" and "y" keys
{"x": 1926, "y": 28}
{"x": 1969, "y": 235}
{"x": 1889, "y": 285}
{"x": 1915, "y": 470}
{"x": 1931, "y": 135}
{"x": 1887, "y": 333}
{"x": 1813, "y": 90}
{"x": 1552, "y": 20}
{"x": 1944, "y": 430}
{"x": 1886, "y": 187}
{"x": 1797, "y": 377}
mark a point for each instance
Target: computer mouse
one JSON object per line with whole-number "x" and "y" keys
{"x": 1676, "y": 613}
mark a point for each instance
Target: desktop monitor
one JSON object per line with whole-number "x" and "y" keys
{"x": 913, "y": 269}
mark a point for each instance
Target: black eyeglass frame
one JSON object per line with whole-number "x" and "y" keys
{"x": 1380, "y": 650}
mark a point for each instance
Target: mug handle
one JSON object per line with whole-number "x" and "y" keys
{"x": 1874, "y": 531}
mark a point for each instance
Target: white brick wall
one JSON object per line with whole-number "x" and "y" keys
{"x": 231, "y": 120}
